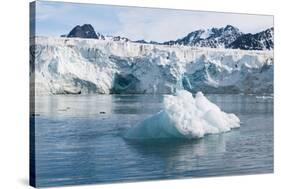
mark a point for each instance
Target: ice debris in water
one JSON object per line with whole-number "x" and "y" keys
{"x": 184, "y": 116}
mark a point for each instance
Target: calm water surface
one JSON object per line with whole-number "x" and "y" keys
{"x": 79, "y": 140}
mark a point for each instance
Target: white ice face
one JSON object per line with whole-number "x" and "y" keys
{"x": 64, "y": 66}
{"x": 184, "y": 116}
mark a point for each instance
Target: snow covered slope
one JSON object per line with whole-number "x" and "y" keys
{"x": 228, "y": 37}
{"x": 74, "y": 66}
{"x": 259, "y": 41}
{"x": 214, "y": 37}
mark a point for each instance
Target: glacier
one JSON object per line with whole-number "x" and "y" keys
{"x": 83, "y": 66}
{"x": 184, "y": 116}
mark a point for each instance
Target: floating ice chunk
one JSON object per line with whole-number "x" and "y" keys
{"x": 264, "y": 97}
{"x": 184, "y": 116}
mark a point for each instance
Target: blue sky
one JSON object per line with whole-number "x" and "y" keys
{"x": 56, "y": 18}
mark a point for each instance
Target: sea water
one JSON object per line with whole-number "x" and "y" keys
{"x": 80, "y": 140}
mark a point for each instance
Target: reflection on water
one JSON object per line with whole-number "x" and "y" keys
{"x": 180, "y": 154}
{"x": 79, "y": 140}
{"x": 91, "y": 105}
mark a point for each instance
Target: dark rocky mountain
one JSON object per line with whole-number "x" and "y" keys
{"x": 100, "y": 36}
{"x": 259, "y": 41}
{"x": 214, "y": 38}
{"x": 148, "y": 42}
{"x": 227, "y": 37}
{"x": 119, "y": 38}
{"x": 84, "y": 31}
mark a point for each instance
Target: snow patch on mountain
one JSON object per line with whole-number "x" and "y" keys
{"x": 259, "y": 41}
{"x": 214, "y": 37}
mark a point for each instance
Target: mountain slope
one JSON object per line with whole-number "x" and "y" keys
{"x": 84, "y": 31}
{"x": 259, "y": 41}
{"x": 214, "y": 38}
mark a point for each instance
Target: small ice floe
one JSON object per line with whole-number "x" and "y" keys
{"x": 64, "y": 109}
{"x": 264, "y": 97}
{"x": 184, "y": 116}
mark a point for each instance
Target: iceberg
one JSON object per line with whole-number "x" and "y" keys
{"x": 184, "y": 116}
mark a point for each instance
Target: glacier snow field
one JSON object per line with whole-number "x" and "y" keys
{"x": 80, "y": 139}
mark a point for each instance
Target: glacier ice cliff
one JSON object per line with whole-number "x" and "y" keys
{"x": 82, "y": 66}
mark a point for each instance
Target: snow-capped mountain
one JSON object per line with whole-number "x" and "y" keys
{"x": 214, "y": 38}
{"x": 259, "y": 41}
{"x": 88, "y": 31}
{"x": 75, "y": 65}
{"x": 224, "y": 37}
